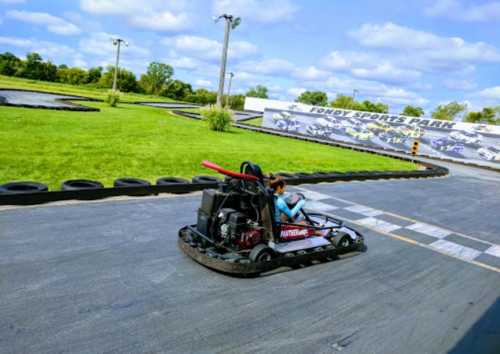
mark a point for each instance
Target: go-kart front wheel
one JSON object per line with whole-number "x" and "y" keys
{"x": 261, "y": 253}
{"x": 342, "y": 242}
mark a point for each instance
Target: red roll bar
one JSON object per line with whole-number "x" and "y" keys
{"x": 215, "y": 167}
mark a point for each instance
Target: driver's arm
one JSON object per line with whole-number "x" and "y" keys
{"x": 291, "y": 213}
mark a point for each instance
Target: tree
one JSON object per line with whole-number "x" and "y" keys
{"x": 413, "y": 111}
{"x": 73, "y": 76}
{"x": 93, "y": 75}
{"x": 156, "y": 77}
{"x": 489, "y": 115}
{"x": 448, "y": 111}
{"x": 9, "y": 64}
{"x": 202, "y": 96}
{"x": 344, "y": 102}
{"x": 372, "y": 107}
{"x": 126, "y": 80}
{"x": 257, "y": 91}
{"x": 177, "y": 90}
{"x": 315, "y": 98}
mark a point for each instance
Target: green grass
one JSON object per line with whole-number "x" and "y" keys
{"x": 256, "y": 121}
{"x": 83, "y": 90}
{"x": 146, "y": 142}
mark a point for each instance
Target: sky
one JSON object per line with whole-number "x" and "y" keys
{"x": 422, "y": 52}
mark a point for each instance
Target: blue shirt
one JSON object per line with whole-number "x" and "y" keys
{"x": 282, "y": 207}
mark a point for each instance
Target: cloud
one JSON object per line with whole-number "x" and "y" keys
{"x": 54, "y": 24}
{"x": 387, "y": 72}
{"x": 203, "y": 83}
{"x": 491, "y": 93}
{"x": 209, "y": 49}
{"x": 100, "y": 44}
{"x": 264, "y": 11}
{"x": 310, "y": 73}
{"x": 426, "y": 44}
{"x": 155, "y": 15}
{"x": 459, "y": 84}
{"x": 455, "y": 10}
{"x": 267, "y": 67}
{"x": 16, "y": 42}
{"x": 296, "y": 91}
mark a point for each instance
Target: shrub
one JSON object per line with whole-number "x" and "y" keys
{"x": 219, "y": 119}
{"x": 113, "y": 98}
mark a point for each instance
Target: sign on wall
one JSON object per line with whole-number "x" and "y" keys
{"x": 442, "y": 139}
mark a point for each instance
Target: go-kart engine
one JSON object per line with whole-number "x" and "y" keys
{"x": 236, "y": 228}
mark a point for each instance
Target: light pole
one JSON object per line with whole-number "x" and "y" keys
{"x": 354, "y": 93}
{"x": 231, "y": 23}
{"x": 117, "y": 42}
{"x": 229, "y": 88}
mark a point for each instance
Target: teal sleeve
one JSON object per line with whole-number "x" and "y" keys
{"x": 283, "y": 207}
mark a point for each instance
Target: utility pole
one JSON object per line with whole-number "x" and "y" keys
{"x": 229, "y": 89}
{"x": 354, "y": 93}
{"x": 231, "y": 23}
{"x": 117, "y": 42}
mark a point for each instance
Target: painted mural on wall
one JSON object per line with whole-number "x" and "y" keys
{"x": 437, "y": 138}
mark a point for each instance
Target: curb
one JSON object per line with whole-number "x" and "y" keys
{"x": 73, "y": 106}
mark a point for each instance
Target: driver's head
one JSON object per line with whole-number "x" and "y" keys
{"x": 277, "y": 184}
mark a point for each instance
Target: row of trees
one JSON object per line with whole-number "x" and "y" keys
{"x": 158, "y": 80}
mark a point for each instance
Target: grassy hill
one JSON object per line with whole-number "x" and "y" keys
{"x": 52, "y": 146}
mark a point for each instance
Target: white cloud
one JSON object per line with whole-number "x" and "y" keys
{"x": 100, "y": 44}
{"x": 155, "y": 15}
{"x": 267, "y": 67}
{"x": 16, "y": 42}
{"x": 295, "y": 91}
{"x": 459, "y": 84}
{"x": 163, "y": 21}
{"x": 203, "y": 83}
{"x": 12, "y": 1}
{"x": 310, "y": 73}
{"x": 54, "y": 24}
{"x": 209, "y": 49}
{"x": 491, "y": 93}
{"x": 426, "y": 44}
{"x": 265, "y": 11}
{"x": 455, "y": 10}
{"x": 387, "y": 72}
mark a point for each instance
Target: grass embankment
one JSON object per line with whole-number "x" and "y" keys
{"x": 83, "y": 90}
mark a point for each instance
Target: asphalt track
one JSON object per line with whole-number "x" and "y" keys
{"x": 108, "y": 277}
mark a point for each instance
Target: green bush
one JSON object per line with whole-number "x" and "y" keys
{"x": 113, "y": 98}
{"x": 219, "y": 119}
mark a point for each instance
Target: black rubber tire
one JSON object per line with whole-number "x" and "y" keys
{"x": 342, "y": 243}
{"x": 23, "y": 188}
{"x": 286, "y": 175}
{"x": 167, "y": 181}
{"x": 261, "y": 253}
{"x": 303, "y": 175}
{"x": 80, "y": 184}
{"x": 205, "y": 179}
{"x": 131, "y": 182}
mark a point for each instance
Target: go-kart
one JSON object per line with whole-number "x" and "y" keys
{"x": 237, "y": 232}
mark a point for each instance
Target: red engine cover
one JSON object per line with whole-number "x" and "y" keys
{"x": 249, "y": 238}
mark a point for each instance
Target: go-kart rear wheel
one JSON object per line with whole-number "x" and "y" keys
{"x": 342, "y": 242}
{"x": 261, "y": 253}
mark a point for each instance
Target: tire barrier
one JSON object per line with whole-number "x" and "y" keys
{"x": 205, "y": 179}
{"x": 79, "y": 184}
{"x": 23, "y": 188}
{"x": 167, "y": 181}
{"x": 130, "y": 182}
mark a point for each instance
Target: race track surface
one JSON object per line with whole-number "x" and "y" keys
{"x": 108, "y": 277}
{"x": 38, "y": 99}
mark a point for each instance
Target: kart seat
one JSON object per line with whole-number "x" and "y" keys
{"x": 272, "y": 211}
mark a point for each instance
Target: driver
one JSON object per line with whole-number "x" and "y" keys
{"x": 283, "y": 213}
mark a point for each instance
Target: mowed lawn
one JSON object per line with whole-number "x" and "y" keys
{"x": 52, "y": 146}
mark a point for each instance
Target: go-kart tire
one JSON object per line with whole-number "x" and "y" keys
{"x": 205, "y": 179}
{"x": 286, "y": 175}
{"x": 167, "y": 181}
{"x": 80, "y": 184}
{"x": 22, "y": 188}
{"x": 261, "y": 253}
{"x": 342, "y": 243}
{"x": 131, "y": 182}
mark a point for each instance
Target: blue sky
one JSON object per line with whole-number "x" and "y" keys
{"x": 420, "y": 52}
